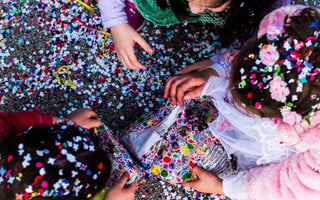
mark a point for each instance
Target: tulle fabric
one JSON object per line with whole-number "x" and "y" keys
{"x": 252, "y": 139}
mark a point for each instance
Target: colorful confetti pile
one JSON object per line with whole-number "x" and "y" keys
{"x": 55, "y": 57}
{"x": 39, "y": 38}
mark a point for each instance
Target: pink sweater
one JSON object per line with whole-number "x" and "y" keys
{"x": 297, "y": 177}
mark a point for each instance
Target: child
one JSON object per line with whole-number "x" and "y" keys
{"x": 237, "y": 20}
{"x": 53, "y": 162}
{"x": 23, "y": 153}
{"x": 16, "y": 123}
{"x": 269, "y": 111}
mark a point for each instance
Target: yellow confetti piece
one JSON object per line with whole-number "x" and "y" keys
{"x": 85, "y": 5}
{"x": 185, "y": 150}
{"x": 104, "y": 41}
{"x": 89, "y": 196}
{"x": 149, "y": 122}
{"x": 155, "y": 169}
{"x": 69, "y": 81}
{"x": 104, "y": 32}
{"x": 251, "y": 56}
{"x": 34, "y": 194}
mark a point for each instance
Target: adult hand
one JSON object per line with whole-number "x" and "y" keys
{"x": 85, "y": 118}
{"x": 206, "y": 182}
{"x": 124, "y": 38}
{"x": 190, "y": 83}
{"x": 119, "y": 192}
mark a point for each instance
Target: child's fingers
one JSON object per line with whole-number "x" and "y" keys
{"x": 122, "y": 181}
{"x": 90, "y": 114}
{"x": 168, "y": 86}
{"x": 190, "y": 68}
{"x": 144, "y": 44}
{"x": 173, "y": 90}
{"x": 198, "y": 171}
{"x": 197, "y": 66}
{"x": 126, "y": 62}
{"x": 134, "y": 61}
{"x": 132, "y": 187}
{"x": 193, "y": 93}
{"x": 191, "y": 184}
{"x": 188, "y": 84}
{"x": 94, "y": 123}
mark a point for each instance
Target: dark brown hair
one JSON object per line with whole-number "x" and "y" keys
{"x": 49, "y": 141}
{"x": 299, "y": 27}
{"x": 241, "y": 24}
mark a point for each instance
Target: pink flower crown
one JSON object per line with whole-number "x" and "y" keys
{"x": 273, "y": 60}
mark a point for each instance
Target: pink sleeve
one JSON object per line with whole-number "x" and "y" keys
{"x": 297, "y": 177}
{"x": 112, "y": 12}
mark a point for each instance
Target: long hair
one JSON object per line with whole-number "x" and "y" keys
{"x": 303, "y": 102}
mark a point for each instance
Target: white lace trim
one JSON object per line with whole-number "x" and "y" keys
{"x": 273, "y": 149}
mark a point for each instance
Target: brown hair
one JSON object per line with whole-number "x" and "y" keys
{"x": 298, "y": 28}
{"x": 242, "y": 21}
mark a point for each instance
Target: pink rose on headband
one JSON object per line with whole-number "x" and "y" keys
{"x": 274, "y": 30}
{"x": 269, "y": 54}
{"x": 278, "y": 89}
{"x": 290, "y": 117}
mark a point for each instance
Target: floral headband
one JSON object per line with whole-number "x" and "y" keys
{"x": 65, "y": 185}
{"x": 272, "y": 60}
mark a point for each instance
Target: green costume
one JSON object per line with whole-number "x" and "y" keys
{"x": 150, "y": 11}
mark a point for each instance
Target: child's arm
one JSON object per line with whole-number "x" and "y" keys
{"x": 15, "y": 123}
{"x": 190, "y": 83}
{"x": 85, "y": 118}
{"x": 123, "y": 35}
{"x": 124, "y": 38}
{"x": 112, "y": 12}
{"x": 192, "y": 80}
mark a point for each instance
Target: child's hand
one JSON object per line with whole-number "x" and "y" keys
{"x": 119, "y": 192}
{"x": 190, "y": 83}
{"x": 85, "y": 118}
{"x": 124, "y": 38}
{"x": 206, "y": 182}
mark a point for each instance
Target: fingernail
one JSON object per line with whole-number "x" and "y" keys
{"x": 150, "y": 51}
{"x": 187, "y": 97}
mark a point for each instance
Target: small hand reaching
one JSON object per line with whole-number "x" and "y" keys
{"x": 190, "y": 83}
{"x": 85, "y": 118}
{"x": 124, "y": 38}
{"x": 207, "y": 182}
{"x": 119, "y": 192}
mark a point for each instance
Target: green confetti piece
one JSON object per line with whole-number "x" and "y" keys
{"x": 266, "y": 70}
{"x": 289, "y": 104}
{"x": 243, "y": 84}
{"x": 307, "y": 118}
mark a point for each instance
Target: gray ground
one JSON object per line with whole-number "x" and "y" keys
{"x": 37, "y": 37}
